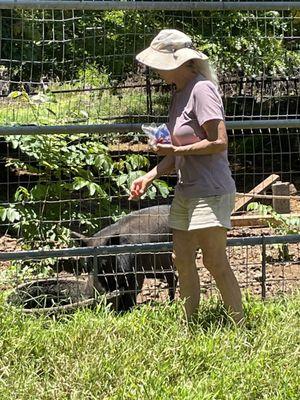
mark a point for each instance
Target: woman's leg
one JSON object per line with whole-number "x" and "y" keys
{"x": 212, "y": 242}
{"x": 184, "y": 258}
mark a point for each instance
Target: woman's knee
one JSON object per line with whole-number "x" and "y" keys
{"x": 183, "y": 261}
{"x": 216, "y": 262}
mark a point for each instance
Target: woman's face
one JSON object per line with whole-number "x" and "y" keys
{"x": 176, "y": 75}
{"x": 167, "y": 76}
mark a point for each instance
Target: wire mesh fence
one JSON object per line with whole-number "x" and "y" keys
{"x": 72, "y": 101}
{"x": 123, "y": 276}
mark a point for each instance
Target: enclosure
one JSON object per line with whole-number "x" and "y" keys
{"x": 73, "y": 100}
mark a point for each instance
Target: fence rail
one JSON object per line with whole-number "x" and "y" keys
{"x": 150, "y": 5}
{"x": 264, "y": 279}
{"x": 124, "y": 128}
{"x": 138, "y": 248}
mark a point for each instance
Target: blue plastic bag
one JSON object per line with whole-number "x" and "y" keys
{"x": 157, "y": 133}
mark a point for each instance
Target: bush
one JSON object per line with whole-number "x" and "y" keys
{"x": 77, "y": 182}
{"x": 238, "y": 42}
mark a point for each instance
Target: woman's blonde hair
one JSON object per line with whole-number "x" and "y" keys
{"x": 204, "y": 68}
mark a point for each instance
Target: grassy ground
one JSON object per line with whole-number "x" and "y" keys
{"x": 151, "y": 354}
{"x": 85, "y": 107}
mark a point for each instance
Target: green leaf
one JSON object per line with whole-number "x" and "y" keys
{"x": 92, "y": 188}
{"x": 48, "y": 165}
{"x": 15, "y": 94}
{"x": 12, "y": 214}
{"x": 121, "y": 179}
{"x": 134, "y": 175}
{"x": 137, "y": 161}
{"x": 50, "y": 111}
{"x": 15, "y": 144}
{"x": 151, "y": 193}
{"x": 252, "y": 206}
{"x": 22, "y": 194}
{"x": 39, "y": 192}
{"x": 3, "y": 212}
{"x": 163, "y": 188}
{"x": 79, "y": 183}
{"x": 101, "y": 192}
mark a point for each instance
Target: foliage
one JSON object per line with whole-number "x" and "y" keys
{"x": 93, "y": 77}
{"x": 279, "y": 223}
{"x": 21, "y": 271}
{"x": 76, "y": 180}
{"x": 240, "y": 42}
{"x": 150, "y": 353}
{"x": 250, "y": 44}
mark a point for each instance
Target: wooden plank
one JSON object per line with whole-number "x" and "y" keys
{"x": 265, "y": 184}
{"x": 257, "y": 220}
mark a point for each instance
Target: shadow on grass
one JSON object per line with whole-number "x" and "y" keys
{"x": 211, "y": 316}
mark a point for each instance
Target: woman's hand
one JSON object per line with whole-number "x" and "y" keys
{"x": 162, "y": 149}
{"x": 138, "y": 187}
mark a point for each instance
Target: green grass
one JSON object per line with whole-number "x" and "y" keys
{"x": 69, "y": 108}
{"x": 150, "y": 353}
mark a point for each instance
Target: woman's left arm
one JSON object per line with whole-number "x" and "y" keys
{"x": 216, "y": 142}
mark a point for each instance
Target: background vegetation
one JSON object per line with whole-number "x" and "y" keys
{"x": 238, "y": 42}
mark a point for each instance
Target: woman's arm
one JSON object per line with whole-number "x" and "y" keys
{"x": 141, "y": 184}
{"x": 165, "y": 166}
{"x": 216, "y": 142}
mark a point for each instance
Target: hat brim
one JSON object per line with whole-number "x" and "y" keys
{"x": 168, "y": 61}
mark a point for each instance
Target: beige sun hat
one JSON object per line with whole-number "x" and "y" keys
{"x": 169, "y": 50}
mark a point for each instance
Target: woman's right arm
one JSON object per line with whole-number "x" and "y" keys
{"x": 141, "y": 184}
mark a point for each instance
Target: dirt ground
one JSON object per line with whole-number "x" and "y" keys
{"x": 282, "y": 276}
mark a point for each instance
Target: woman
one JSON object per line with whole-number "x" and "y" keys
{"x": 205, "y": 191}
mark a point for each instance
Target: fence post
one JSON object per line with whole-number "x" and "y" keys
{"x": 263, "y": 268}
{"x": 148, "y": 92}
{"x": 281, "y": 206}
{"x": 95, "y": 275}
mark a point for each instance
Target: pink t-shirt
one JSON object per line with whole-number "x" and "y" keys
{"x": 198, "y": 175}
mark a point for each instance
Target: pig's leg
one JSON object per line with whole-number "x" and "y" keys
{"x": 128, "y": 281}
{"x": 172, "y": 280}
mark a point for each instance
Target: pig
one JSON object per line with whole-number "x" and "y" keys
{"x": 127, "y": 272}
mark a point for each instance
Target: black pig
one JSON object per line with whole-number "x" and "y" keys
{"x": 127, "y": 272}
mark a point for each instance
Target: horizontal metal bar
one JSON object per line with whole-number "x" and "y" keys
{"x": 259, "y": 240}
{"x": 124, "y": 128}
{"x": 267, "y": 80}
{"x": 148, "y": 5}
{"x": 137, "y": 248}
{"x": 88, "y": 251}
{"x": 56, "y": 129}
{"x": 264, "y": 124}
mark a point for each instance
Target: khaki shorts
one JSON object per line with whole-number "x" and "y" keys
{"x": 187, "y": 214}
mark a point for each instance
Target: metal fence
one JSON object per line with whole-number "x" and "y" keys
{"x": 72, "y": 103}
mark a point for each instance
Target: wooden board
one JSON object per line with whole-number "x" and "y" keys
{"x": 257, "y": 220}
{"x": 265, "y": 184}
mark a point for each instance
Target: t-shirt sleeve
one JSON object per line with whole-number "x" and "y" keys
{"x": 207, "y": 103}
